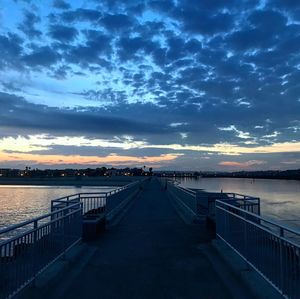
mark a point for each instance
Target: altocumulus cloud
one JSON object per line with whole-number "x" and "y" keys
{"x": 178, "y": 84}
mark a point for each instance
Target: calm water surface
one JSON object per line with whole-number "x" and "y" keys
{"x": 280, "y": 199}
{"x": 20, "y": 203}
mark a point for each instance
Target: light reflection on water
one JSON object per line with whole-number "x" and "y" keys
{"x": 20, "y": 203}
{"x": 280, "y": 199}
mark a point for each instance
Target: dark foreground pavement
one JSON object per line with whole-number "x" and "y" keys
{"x": 151, "y": 253}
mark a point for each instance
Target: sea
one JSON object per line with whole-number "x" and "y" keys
{"x": 21, "y": 203}
{"x": 280, "y": 199}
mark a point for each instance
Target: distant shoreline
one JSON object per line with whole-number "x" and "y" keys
{"x": 234, "y": 177}
{"x": 254, "y": 178}
{"x": 70, "y": 181}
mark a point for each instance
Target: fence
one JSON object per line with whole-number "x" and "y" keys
{"x": 26, "y": 249}
{"x": 90, "y": 201}
{"x": 37, "y": 243}
{"x": 93, "y": 201}
{"x": 271, "y": 249}
{"x": 203, "y": 203}
{"x": 116, "y": 199}
{"x": 245, "y": 202}
{"x": 185, "y": 196}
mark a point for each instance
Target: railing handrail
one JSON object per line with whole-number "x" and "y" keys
{"x": 264, "y": 228}
{"x": 266, "y": 220}
{"x": 78, "y": 195}
{"x": 36, "y": 219}
{"x": 176, "y": 185}
{"x": 120, "y": 188}
{"x": 2, "y": 243}
{"x": 47, "y": 237}
{"x": 186, "y": 190}
{"x": 244, "y": 203}
{"x": 67, "y": 196}
{"x": 243, "y": 195}
{"x": 193, "y": 192}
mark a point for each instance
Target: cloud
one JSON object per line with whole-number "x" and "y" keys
{"x": 116, "y": 22}
{"x": 81, "y": 15}
{"x": 112, "y": 159}
{"x": 250, "y": 39}
{"x": 27, "y": 116}
{"x": 196, "y": 20}
{"x": 10, "y": 48}
{"x": 268, "y": 20}
{"x": 28, "y": 26}
{"x": 63, "y": 33}
{"x": 195, "y": 77}
{"x": 97, "y": 44}
{"x": 42, "y": 56}
{"x": 240, "y": 134}
{"x": 128, "y": 47}
{"x": 161, "y": 6}
{"x": 61, "y": 4}
{"x": 242, "y": 164}
{"x": 233, "y": 149}
{"x": 45, "y": 142}
{"x": 292, "y": 162}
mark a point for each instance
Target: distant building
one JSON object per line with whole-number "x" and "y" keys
{"x": 8, "y": 173}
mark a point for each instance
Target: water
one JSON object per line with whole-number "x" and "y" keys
{"x": 20, "y": 203}
{"x": 280, "y": 199}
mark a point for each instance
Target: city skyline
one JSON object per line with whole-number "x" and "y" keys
{"x": 179, "y": 85}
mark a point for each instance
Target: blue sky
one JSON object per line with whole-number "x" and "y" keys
{"x": 201, "y": 85}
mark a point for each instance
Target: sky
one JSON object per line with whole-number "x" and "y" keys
{"x": 174, "y": 85}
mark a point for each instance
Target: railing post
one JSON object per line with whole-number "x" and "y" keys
{"x": 245, "y": 241}
{"x": 35, "y": 253}
{"x": 225, "y": 221}
{"x": 281, "y": 233}
{"x": 64, "y": 233}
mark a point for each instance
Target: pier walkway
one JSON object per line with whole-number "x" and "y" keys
{"x": 150, "y": 253}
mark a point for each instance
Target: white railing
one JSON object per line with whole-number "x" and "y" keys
{"x": 245, "y": 202}
{"x": 28, "y": 248}
{"x": 187, "y": 197}
{"x": 203, "y": 203}
{"x": 116, "y": 199}
{"x": 270, "y": 248}
{"x": 95, "y": 201}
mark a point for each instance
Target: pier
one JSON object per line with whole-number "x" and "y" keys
{"x": 150, "y": 253}
{"x": 157, "y": 243}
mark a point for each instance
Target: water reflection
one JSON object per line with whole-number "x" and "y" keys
{"x": 280, "y": 199}
{"x": 20, "y": 203}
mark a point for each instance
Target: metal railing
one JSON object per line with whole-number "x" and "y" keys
{"x": 90, "y": 201}
{"x": 187, "y": 197}
{"x": 93, "y": 201}
{"x": 28, "y": 248}
{"x": 245, "y": 202}
{"x": 115, "y": 200}
{"x": 270, "y": 248}
{"x": 203, "y": 203}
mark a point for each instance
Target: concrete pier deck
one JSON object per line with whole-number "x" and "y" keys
{"x": 150, "y": 253}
